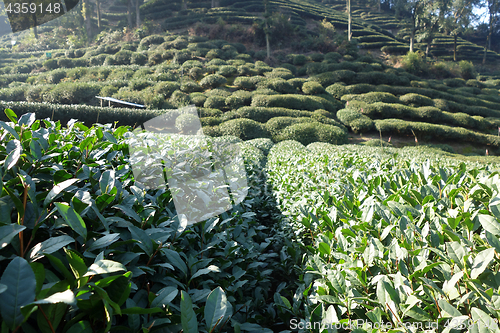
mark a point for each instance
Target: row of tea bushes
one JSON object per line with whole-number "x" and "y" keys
{"x": 384, "y": 232}
{"x": 279, "y": 128}
{"x": 435, "y": 132}
{"x": 105, "y": 253}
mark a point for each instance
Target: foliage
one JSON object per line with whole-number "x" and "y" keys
{"x": 85, "y": 249}
{"x": 213, "y": 81}
{"x": 414, "y": 63}
{"x": 309, "y": 132}
{"x": 388, "y": 238}
{"x": 312, "y": 88}
{"x": 356, "y": 121}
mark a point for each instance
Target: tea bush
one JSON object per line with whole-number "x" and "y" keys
{"x": 297, "y": 82}
{"x": 276, "y": 124}
{"x": 417, "y": 168}
{"x": 239, "y": 99}
{"x": 245, "y": 129}
{"x": 337, "y": 90}
{"x": 73, "y": 93}
{"x": 130, "y": 229}
{"x": 454, "y": 83}
{"x": 215, "y": 102}
{"x": 213, "y": 81}
{"x": 179, "y": 99}
{"x": 356, "y": 121}
{"x": 197, "y": 98}
{"x": 277, "y": 84}
{"x": 166, "y": 89}
{"x": 298, "y": 102}
{"x": 263, "y": 114}
{"x": 416, "y": 100}
{"x": 372, "y": 97}
{"x": 227, "y": 70}
{"x": 248, "y": 83}
{"x": 307, "y": 133}
{"x": 312, "y": 88}
{"x": 279, "y": 72}
{"x": 263, "y": 144}
{"x": 190, "y": 86}
{"x": 328, "y": 78}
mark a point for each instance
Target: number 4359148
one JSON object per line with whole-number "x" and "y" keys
{"x": 32, "y": 8}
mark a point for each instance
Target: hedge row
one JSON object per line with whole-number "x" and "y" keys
{"x": 350, "y": 77}
{"x": 426, "y": 113}
{"x": 297, "y": 102}
{"x": 435, "y": 132}
{"x": 86, "y": 114}
{"x": 356, "y": 121}
{"x": 442, "y": 100}
{"x": 304, "y": 130}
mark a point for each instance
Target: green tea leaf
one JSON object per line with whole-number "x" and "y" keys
{"x": 215, "y": 308}
{"x": 144, "y": 241}
{"x": 49, "y": 246}
{"x": 11, "y": 115}
{"x": 175, "y": 259}
{"x": 164, "y": 297}
{"x": 481, "y": 261}
{"x": 447, "y": 310}
{"x": 107, "y": 181}
{"x": 12, "y": 158}
{"x": 203, "y": 271}
{"x": 8, "y": 232}
{"x": 489, "y": 223}
{"x": 27, "y": 119}
{"x": 9, "y": 129}
{"x": 188, "y": 317}
{"x": 21, "y": 285}
{"x": 104, "y": 266}
{"x": 456, "y": 251}
{"x": 58, "y": 189}
{"x": 73, "y": 219}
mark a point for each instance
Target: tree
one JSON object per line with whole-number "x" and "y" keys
{"x": 460, "y": 15}
{"x": 434, "y": 14}
{"x": 420, "y": 16}
{"x": 493, "y": 9}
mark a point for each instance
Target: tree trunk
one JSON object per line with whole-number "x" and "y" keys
{"x": 213, "y": 4}
{"x": 488, "y": 38}
{"x": 137, "y": 14}
{"x": 98, "y": 6}
{"x": 349, "y": 33}
{"x": 380, "y": 6}
{"x": 428, "y": 48}
{"x": 268, "y": 47}
{"x": 486, "y": 47}
{"x": 184, "y": 5}
{"x": 129, "y": 13}
{"x": 412, "y": 38}
{"x": 455, "y": 47}
{"x": 86, "y": 18}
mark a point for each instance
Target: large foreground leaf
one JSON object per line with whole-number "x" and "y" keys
{"x": 21, "y": 283}
{"x": 188, "y": 317}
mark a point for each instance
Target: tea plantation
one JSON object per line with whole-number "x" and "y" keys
{"x": 331, "y": 237}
